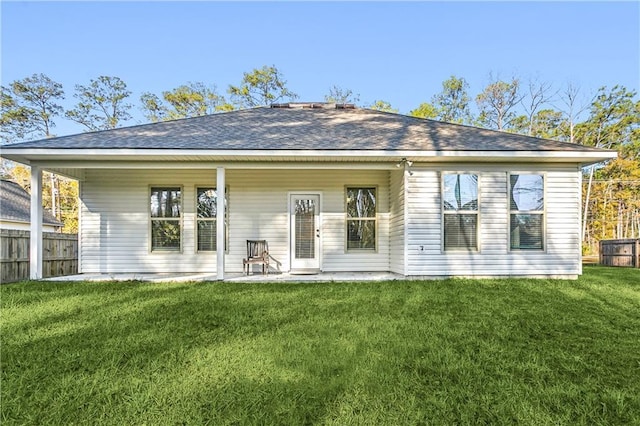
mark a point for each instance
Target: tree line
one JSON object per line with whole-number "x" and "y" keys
{"x": 30, "y": 108}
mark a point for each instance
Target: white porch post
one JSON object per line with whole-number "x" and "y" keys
{"x": 35, "y": 256}
{"x": 220, "y": 230}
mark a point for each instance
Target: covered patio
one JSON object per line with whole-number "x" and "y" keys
{"x": 238, "y": 278}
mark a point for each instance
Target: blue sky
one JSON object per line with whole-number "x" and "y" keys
{"x": 399, "y": 52}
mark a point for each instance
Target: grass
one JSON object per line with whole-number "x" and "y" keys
{"x": 520, "y": 351}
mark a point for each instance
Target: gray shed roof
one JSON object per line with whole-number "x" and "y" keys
{"x": 291, "y": 129}
{"x": 15, "y": 205}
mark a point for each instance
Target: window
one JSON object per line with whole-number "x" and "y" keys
{"x": 206, "y": 221}
{"x": 460, "y": 211}
{"x": 361, "y": 218}
{"x": 526, "y": 199}
{"x": 166, "y": 221}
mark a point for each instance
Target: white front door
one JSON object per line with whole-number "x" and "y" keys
{"x": 304, "y": 212}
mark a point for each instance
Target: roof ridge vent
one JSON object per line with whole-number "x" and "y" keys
{"x": 313, "y": 105}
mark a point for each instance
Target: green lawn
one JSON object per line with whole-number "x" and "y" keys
{"x": 399, "y": 353}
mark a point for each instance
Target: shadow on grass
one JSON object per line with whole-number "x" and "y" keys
{"x": 408, "y": 352}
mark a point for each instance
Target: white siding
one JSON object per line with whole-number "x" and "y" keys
{"x": 115, "y": 221}
{"x": 396, "y": 222}
{"x": 259, "y": 210}
{"x": 115, "y": 218}
{"x": 562, "y": 246}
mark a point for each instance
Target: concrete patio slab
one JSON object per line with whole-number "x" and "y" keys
{"x": 239, "y": 278}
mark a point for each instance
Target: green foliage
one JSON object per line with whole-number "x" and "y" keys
{"x": 380, "y": 105}
{"x": 425, "y": 110}
{"x": 497, "y": 103}
{"x": 338, "y": 95}
{"x": 66, "y": 194}
{"x": 102, "y": 104}
{"x": 153, "y": 108}
{"x": 261, "y": 87}
{"x": 28, "y": 108}
{"x": 397, "y": 353}
{"x": 452, "y": 103}
{"x": 546, "y": 124}
{"x": 612, "y": 209}
{"x": 190, "y": 100}
{"x": 614, "y": 119}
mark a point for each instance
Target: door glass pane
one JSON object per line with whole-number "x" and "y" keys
{"x": 305, "y": 211}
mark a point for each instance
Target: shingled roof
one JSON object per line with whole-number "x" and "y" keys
{"x": 304, "y": 128}
{"x": 15, "y": 205}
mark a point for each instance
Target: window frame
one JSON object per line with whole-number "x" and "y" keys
{"x": 542, "y": 212}
{"x": 444, "y": 212}
{"x": 196, "y": 218}
{"x": 151, "y": 219}
{"x": 347, "y": 219}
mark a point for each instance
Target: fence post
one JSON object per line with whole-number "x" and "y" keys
{"x": 636, "y": 254}
{"x": 600, "y": 256}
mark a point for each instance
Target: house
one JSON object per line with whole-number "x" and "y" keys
{"x": 15, "y": 209}
{"x": 330, "y": 187}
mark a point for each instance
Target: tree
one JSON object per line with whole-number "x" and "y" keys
{"x": 380, "y": 105}
{"x": 538, "y": 94}
{"x": 572, "y": 109}
{"x": 28, "y": 107}
{"x": 424, "y": 110}
{"x": 190, "y": 100}
{"x": 614, "y": 123}
{"x": 101, "y": 105}
{"x": 338, "y": 95}
{"x": 497, "y": 103}
{"x": 546, "y": 123}
{"x": 153, "y": 107}
{"x": 261, "y": 87}
{"x": 452, "y": 103}
{"x": 59, "y": 194}
{"x": 613, "y": 117}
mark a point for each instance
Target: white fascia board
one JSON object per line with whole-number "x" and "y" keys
{"x": 28, "y": 155}
{"x": 207, "y": 165}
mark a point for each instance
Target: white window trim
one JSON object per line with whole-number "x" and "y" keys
{"x": 543, "y": 212}
{"x": 152, "y": 219}
{"x": 444, "y": 212}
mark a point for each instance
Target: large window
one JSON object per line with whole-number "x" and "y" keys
{"x": 206, "y": 222}
{"x": 166, "y": 218}
{"x": 460, "y": 211}
{"x": 526, "y": 199}
{"x": 361, "y": 218}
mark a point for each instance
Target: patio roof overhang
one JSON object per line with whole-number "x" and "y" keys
{"x": 70, "y": 161}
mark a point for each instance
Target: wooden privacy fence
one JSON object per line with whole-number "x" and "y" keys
{"x": 59, "y": 252}
{"x": 620, "y": 252}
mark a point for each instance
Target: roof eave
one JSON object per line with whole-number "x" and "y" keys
{"x": 31, "y": 155}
